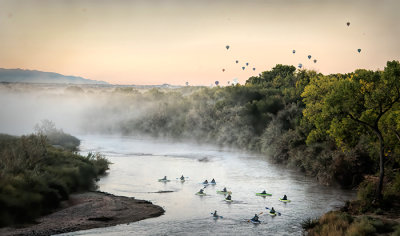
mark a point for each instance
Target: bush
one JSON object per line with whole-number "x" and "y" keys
{"x": 35, "y": 176}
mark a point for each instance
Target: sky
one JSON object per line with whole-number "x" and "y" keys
{"x": 164, "y": 41}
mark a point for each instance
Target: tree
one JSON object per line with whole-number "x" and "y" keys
{"x": 345, "y": 108}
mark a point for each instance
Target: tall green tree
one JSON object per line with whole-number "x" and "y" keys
{"x": 344, "y": 108}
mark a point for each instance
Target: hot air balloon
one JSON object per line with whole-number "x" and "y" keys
{"x": 216, "y": 82}
{"x": 300, "y": 65}
{"x": 229, "y": 82}
{"x": 359, "y": 50}
{"x": 348, "y": 23}
{"x": 237, "y": 61}
{"x": 187, "y": 83}
{"x": 243, "y": 68}
{"x": 254, "y": 68}
{"x": 247, "y": 63}
{"x": 235, "y": 81}
{"x": 315, "y": 60}
{"x": 223, "y": 70}
{"x": 294, "y": 51}
{"x": 227, "y": 47}
{"x": 309, "y": 56}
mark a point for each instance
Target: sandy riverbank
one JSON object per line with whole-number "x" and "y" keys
{"x": 86, "y": 211}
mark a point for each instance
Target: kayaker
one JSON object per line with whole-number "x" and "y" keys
{"x": 263, "y": 192}
{"x": 182, "y": 178}
{"x": 215, "y": 213}
{"x": 272, "y": 211}
{"x": 165, "y": 178}
{"x": 228, "y": 197}
{"x": 224, "y": 190}
{"x": 284, "y": 197}
{"x": 201, "y": 191}
{"x": 205, "y": 182}
{"x": 255, "y": 218}
{"x": 213, "y": 181}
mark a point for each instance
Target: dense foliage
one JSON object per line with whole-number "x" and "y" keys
{"x": 35, "y": 176}
{"x": 57, "y": 137}
{"x": 301, "y": 118}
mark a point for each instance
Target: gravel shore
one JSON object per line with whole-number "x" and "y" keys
{"x": 86, "y": 211}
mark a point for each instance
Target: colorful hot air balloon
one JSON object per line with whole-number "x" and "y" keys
{"x": 216, "y": 82}
{"x": 300, "y": 65}
{"x": 223, "y": 70}
{"x": 237, "y": 61}
{"x": 243, "y": 68}
{"x": 247, "y": 63}
{"x": 348, "y": 23}
{"x": 315, "y": 60}
{"x": 359, "y": 50}
{"x": 227, "y": 47}
{"x": 309, "y": 56}
{"x": 254, "y": 68}
{"x": 294, "y": 51}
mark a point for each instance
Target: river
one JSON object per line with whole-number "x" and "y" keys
{"x": 139, "y": 163}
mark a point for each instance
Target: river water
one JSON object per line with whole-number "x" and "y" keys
{"x": 139, "y": 163}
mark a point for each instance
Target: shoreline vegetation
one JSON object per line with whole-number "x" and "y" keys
{"x": 47, "y": 188}
{"x": 338, "y": 128}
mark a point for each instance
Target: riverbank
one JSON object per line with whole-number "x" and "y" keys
{"x": 349, "y": 221}
{"x": 86, "y": 211}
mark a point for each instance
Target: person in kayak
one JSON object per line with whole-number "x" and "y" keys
{"x": 213, "y": 181}
{"x": 255, "y": 218}
{"x": 272, "y": 211}
{"x": 263, "y": 192}
{"x": 205, "y": 182}
{"x": 284, "y": 197}
{"x": 228, "y": 197}
{"x": 165, "y": 178}
{"x": 215, "y": 213}
{"x": 201, "y": 191}
{"x": 182, "y": 178}
{"x": 224, "y": 190}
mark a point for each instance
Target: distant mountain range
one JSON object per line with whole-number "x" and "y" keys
{"x": 40, "y": 77}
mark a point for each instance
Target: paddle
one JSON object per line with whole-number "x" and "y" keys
{"x": 275, "y": 211}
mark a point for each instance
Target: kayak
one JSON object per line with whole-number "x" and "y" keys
{"x": 280, "y": 199}
{"x": 228, "y": 200}
{"x": 263, "y": 194}
{"x": 201, "y": 194}
{"x": 255, "y": 222}
{"x": 212, "y": 183}
{"x": 217, "y": 217}
{"x": 222, "y": 192}
{"x": 272, "y": 214}
{"x": 182, "y": 180}
{"x": 164, "y": 180}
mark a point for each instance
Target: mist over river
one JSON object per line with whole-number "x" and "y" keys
{"x": 139, "y": 163}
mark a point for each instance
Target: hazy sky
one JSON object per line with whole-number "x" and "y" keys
{"x": 155, "y": 42}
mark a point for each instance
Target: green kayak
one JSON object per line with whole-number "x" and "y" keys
{"x": 164, "y": 180}
{"x": 280, "y": 199}
{"x": 263, "y": 194}
{"x": 222, "y": 192}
